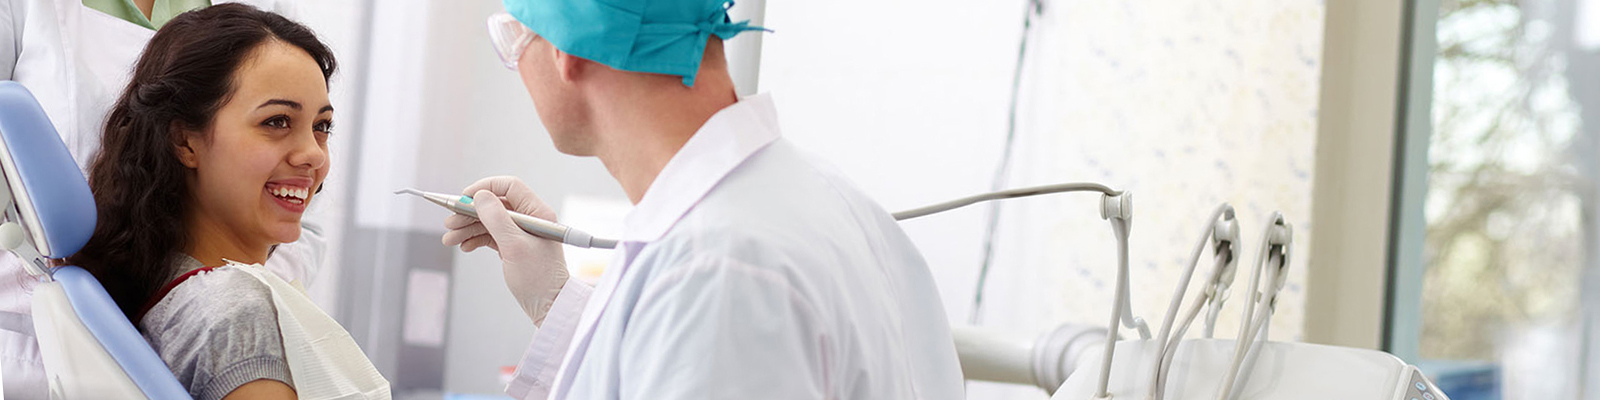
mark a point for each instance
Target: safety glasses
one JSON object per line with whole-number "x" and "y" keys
{"x": 510, "y": 37}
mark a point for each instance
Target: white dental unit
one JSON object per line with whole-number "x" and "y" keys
{"x": 1080, "y": 363}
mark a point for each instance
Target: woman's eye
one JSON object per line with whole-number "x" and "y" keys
{"x": 279, "y": 122}
{"x": 325, "y": 127}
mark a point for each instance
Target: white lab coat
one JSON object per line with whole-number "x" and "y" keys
{"x": 749, "y": 272}
{"x": 76, "y": 61}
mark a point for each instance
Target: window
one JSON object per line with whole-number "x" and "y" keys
{"x": 1500, "y": 308}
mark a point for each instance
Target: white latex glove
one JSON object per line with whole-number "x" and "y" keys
{"x": 535, "y": 268}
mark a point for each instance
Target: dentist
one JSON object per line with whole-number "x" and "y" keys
{"x": 745, "y": 269}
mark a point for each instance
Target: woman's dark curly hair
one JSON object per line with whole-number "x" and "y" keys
{"x": 184, "y": 76}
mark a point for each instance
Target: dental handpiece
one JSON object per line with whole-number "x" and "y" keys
{"x": 462, "y": 204}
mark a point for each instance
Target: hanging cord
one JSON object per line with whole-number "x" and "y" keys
{"x": 1004, "y": 194}
{"x": 1209, "y": 237}
{"x": 1119, "y": 306}
{"x": 1035, "y": 8}
{"x": 1159, "y": 384}
{"x": 1276, "y": 243}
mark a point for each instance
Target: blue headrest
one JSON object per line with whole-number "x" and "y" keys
{"x": 45, "y": 174}
{"x": 119, "y": 338}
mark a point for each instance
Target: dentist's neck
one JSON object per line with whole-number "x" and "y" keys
{"x": 653, "y": 118}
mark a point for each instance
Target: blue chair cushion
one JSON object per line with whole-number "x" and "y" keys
{"x": 53, "y": 181}
{"x": 106, "y": 322}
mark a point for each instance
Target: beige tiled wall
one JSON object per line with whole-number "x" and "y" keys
{"x": 1186, "y": 103}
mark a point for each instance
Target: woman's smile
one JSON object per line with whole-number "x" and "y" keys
{"x": 292, "y": 194}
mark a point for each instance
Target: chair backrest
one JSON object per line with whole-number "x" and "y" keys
{"x": 90, "y": 349}
{"x": 46, "y": 188}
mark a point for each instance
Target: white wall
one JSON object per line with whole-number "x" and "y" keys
{"x": 909, "y": 100}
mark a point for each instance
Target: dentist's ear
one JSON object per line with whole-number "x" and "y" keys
{"x": 568, "y": 66}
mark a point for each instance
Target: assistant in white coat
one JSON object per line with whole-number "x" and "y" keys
{"x": 76, "y": 60}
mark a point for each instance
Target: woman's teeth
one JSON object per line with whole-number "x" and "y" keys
{"x": 292, "y": 195}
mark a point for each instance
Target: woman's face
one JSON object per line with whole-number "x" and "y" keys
{"x": 266, "y": 153}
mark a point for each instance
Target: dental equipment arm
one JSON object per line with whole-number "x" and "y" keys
{"x": 1045, "y": 361}
{"x": 1259, "y": 329}
{"x": 1170, "y": 350}
{"x": 1226, "y": 369}
{"x": 1216, "y": 233}
{"x": 534, "y": 226}
{"x": 565, "y": 234}
{"x": 1217, "y": 294}
{"x": 1118, "y": 209}
{"x": 1118, "y": 305}
{"x": 1274, "y": 258}
{"x": 1004, "y": 194}
{"x": 1115, "y": 206}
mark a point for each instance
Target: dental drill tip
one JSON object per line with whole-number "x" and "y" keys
{"x": 408, "y": 191}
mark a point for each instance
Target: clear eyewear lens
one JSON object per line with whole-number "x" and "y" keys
{"x": 509, "y": 38}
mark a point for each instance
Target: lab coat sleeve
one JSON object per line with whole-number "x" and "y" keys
{"x": 305, "y": 259}
{"x": 12, "y": 13}
{"x": 300, "y": 260}
{"x": 723, "y": 329}
{"x": 536, "y": 373}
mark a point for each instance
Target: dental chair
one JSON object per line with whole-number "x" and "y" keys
{"x": 90, "y": 350}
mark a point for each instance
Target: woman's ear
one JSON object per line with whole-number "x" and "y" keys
{"x": 183, "y": 145}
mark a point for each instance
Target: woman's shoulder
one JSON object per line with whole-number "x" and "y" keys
{"x": 217, "y": 330}
{"x": 218, "y": 300}
{"x": 219, "y": 296}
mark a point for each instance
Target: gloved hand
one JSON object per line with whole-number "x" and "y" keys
{"x": 535, "y": 268}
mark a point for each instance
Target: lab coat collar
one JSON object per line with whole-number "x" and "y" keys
{"x": 724, "y": 142}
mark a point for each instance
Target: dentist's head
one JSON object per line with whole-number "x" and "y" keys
{"x": 596, "y": 72}
{"x": 214, "y": 149}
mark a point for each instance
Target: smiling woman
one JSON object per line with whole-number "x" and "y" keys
{"x": 209, "y": 160}
{"x": 254, "y": 165}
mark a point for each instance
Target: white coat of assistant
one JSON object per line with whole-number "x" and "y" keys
{"x": 76, "y": 61}
{"x": 749, "y": 271}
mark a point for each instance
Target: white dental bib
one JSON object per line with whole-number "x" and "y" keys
{"x": 324, "y": 360}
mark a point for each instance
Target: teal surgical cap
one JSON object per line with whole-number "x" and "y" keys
{"x": 655, "y": 36}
